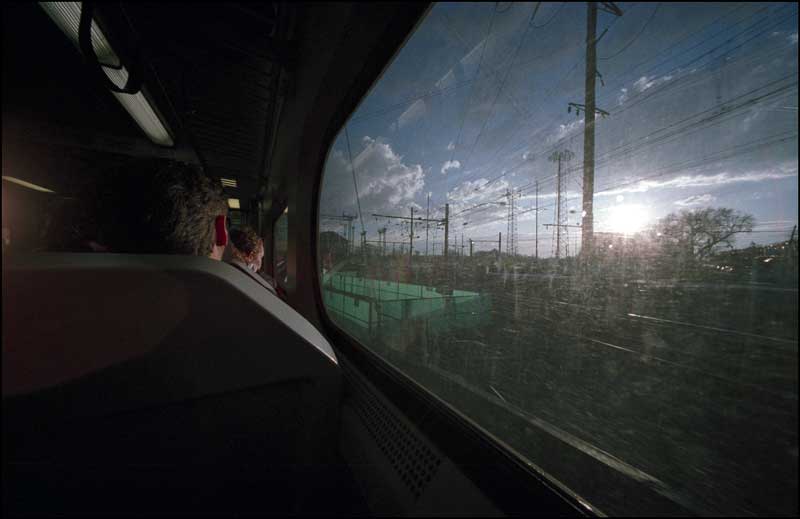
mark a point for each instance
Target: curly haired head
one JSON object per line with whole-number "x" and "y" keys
{"x": 160, "y": 207}
{"x": 247, "y": 244}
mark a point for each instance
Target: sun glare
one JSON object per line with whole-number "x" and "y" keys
{"x": 627, "y": 218}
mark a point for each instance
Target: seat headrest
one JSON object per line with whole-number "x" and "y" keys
{"x": 149, "y": 326}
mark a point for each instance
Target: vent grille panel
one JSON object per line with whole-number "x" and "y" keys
{"x": 413, "y": 461}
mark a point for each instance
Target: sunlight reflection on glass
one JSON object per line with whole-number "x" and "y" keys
{"x": 627, "y": 219}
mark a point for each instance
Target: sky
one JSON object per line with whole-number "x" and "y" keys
{"x": 702, "y": 112}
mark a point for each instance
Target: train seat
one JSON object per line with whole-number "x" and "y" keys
{"x": 135, "y": 383}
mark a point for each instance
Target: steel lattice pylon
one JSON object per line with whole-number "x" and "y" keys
{"x": 511, "y": 224}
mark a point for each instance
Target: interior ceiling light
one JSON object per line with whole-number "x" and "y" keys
{"x": 229, "y": 182}
{"x": 66, "y": 16}
{"x": 29, "y": 185}
{"x": 233, "y": 203}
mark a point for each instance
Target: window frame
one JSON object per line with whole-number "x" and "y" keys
{"x": 284, "y": 212}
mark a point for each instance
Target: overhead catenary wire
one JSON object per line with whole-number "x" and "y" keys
{"x": 725, "y": 154}
{"x": 502, "y": 84}
{"x": 627, "y": 45}
{"x": 469, "y": 97}
{"x": 441, "y": 91}
{"x": 630, "y": 149}
{"x": 355, "y": 184}
{"x": 553, "y": 17}
{"x": 501, "y": 11}
{"x": 629, "y": 104}
{"x": 676, "y": 68}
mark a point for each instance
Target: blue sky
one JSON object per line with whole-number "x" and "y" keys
{"x": 703, "y": 112}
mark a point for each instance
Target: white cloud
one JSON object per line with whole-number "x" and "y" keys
{"x": 685, "y": 181}
{"x": 564, "y": 130}
{"x": 623, "y": 96}
{"x": 793, "y": 38}
{"x": 645, "y": 82}
{"x": 412, "y": 113}
{"x": 478, "y": 201}
{"x": 528, "y": 155}
{"x": 696, "y": 200}
{"x": 451, "y": 146}
{"x": 450, "y": 164}
{"x": 384, "y": 181}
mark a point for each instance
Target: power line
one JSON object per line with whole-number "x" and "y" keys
{"x": 355, "y": 184}
{"x": 469, "y": 98}
{"x": 545, "y": 24}
{"x": 727, "y": 153}
{"x": 549, "y": 93}
{"x": 502, "y": 83}
{"x": 653, "y": 68}
{"x": 498, "y": 11}
{"x": 636, "y": 101}
{"x": 493, "y": 73}
{"x": 441, "y": 91}
{"x": 627, "y": 45}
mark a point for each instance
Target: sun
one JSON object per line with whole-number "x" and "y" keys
{"x": 627, "y": 218}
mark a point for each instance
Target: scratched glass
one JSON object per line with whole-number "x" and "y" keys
{"x": 578, "y": 226}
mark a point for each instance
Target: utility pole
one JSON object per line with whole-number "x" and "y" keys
{"x": 446, "y": 226}
{"x": 462, "y": 244}
{"x": 427, "y": 225}
{"x": 499, "y": 244}
{"x": 364, "y": 243}
{"x": 382, "y": 240}
{"x": 536, "y": 214}
{"x": 511, "y": 230}
{"x": 411, "y": 238}
{"x": 559, "y": 157}
{"x": 587, "y": 233}
{"x": 590, "y": 109}
{"x": 411, "y": 227}
{"x": 473, "y": 242}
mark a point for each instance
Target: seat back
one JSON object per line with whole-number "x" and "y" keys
{"x": 161, "y": 383}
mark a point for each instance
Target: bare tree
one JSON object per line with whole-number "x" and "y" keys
{"x": 701, "y": 233}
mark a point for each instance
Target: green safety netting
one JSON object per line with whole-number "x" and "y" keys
{"x": 369, "y": 306}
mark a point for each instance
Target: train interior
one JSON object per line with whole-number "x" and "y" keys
{"x": 139, "y": 384}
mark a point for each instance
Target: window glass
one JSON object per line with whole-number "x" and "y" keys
{"x": 280, "y": 247}
{"x": 590, "y": 250}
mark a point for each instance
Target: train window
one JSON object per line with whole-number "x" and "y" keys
{"x": 576, "y": 223}
{"x": 280, "y": 247}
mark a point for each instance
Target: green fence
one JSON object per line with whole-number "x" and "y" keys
{"x": 366, "y": 307}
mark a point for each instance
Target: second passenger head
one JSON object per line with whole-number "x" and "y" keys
{"x": 248, "y": 247}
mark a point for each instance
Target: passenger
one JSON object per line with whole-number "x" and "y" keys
{"x": 247, "y": 248}
{"x": 151, "y": 206}
{"x": 248, "y": 253}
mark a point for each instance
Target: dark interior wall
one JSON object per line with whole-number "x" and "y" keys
{"x": 21, "y": 217}
{"x": 334, "y": 71}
